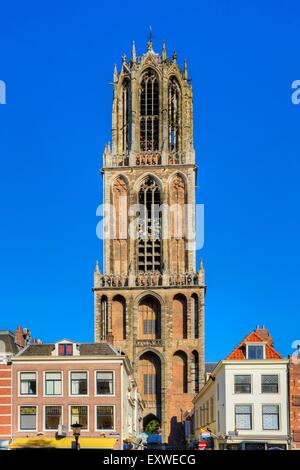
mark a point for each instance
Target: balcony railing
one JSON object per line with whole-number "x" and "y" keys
{"x": 113, "y": 280}
{"x": 145, "y": 158}
{"x": 148, "y": 158}
{"x": 148, "y": 342}
{"x": 152, "y": 404}
{"x": 184, "y": 279}
{"x": 148, "y": 279}
{"x": 176, "y": 158}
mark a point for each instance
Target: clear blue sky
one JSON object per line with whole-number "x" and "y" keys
{"x": 57, "y": 61}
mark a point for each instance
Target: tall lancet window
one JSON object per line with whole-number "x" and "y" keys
{"x": 149, "y": 236}
{"x": 174, "y": 115}
{"x": 104, "y": 317}
{"x": 149, "y": 111}
{"x": 125, "y": 117}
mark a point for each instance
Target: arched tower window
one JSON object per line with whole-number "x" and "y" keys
{"x": 125, "y": 117}
{"x": 149, "y": 378}
{"x": 149, "y": 318}
{"x": 174, "y": 115}
{"x": 195, "y": 355}
{"x": 119, "y": 212}
{"x": 149, "y": 111}
{"x": 195, "y": 304}
{"x": 179, "y": 324}
{"x": 104, "y": 317}
{"x": 149, "y": 236}
{"x": 178, "y": 254}
{"x": 180, "y": 372}
{"x": 118, "y": 320}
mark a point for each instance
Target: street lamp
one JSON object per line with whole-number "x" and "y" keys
{"x": 76, "y": 433}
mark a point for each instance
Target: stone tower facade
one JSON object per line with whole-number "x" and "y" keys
{"x": 150, "y": 299}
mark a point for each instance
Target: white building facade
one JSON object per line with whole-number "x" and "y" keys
{"x": 244, "y": 403}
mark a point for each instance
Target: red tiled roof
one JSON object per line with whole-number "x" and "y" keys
{"x": 239, "y": 353}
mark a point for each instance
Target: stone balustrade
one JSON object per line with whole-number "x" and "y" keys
{"x": 147, "y": 279}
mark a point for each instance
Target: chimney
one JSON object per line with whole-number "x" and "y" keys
{"x": 264, "y": 333}
{"x": 22, "y": 337}
{"x": 19, "y": 339}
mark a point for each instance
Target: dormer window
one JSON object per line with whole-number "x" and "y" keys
{"x": 65, "y": 349}
{"x": 255, "y": 351}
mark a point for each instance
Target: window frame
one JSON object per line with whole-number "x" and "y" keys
{"x": 234, "y": 384}
{"x": 65, "y": 345}
{"x": 114, "y": 383}
{"x": 272, "y": 414}
{"x": 44, "y": 416}
{"x": 70, "y": 417}
{"x": 261, "y": 384}
{"x": 36, "y": 383}
{"x": 250, "y": 414}
{"x": 149, "y": 74}
{"x": 262, "y": 345}
{"x": 70, "y": 383}
{"x": 114, "y": 419}
{"x": 154, "y": 382}
{"x": 45, "y": 383}
{"x": 36, "y": 417}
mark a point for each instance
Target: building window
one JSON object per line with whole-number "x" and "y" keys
{"x": 218, "y": 392}
{"x": 28, "y": 418}
{"x": 212, "y": 411}
{"x": 52, "y": 417}
{"x": 65, "y": 349}
{"x": 243, "y": 417}
{"x": 255, "y": 352}
{"x": 149, "y": 384}
{"x": 79, "y": 414}
{"x": 28, "y": 383}
{"x": 105, "y": 383}
{"x": 125, "y": 116}
{"x": 149, "y": 227}
{"x": 105, "y": 417}
{"x": 270, "y": 417}
{"x": 196, "y": 315}
{"x": 149, "y": 326}
{"x": 269, "y": 383}
{"x": 53, "y": 383}
{"x": 174, "y": 115}
{"x": 242, "y": 384}
{"x": 78, "y": 383}
{"x": 149, "y": 111}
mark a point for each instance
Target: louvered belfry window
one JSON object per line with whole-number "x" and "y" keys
{"x": 149, "y": 236}
{"x": 149, "y": 112}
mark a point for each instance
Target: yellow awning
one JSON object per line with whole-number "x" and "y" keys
{"x": 64, "y": 443}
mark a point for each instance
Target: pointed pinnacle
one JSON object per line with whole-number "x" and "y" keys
{"x": 164, "y": 51}
{"x": 133, "y": 52}
{"x": 97, "y": 267}
{"x": 185, "y": 70}
{"x": 115, "y": 73}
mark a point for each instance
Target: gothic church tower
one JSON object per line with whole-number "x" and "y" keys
{"x": 150, "y": 299}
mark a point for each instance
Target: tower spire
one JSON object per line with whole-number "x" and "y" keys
{"x": 150, "y": 41}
